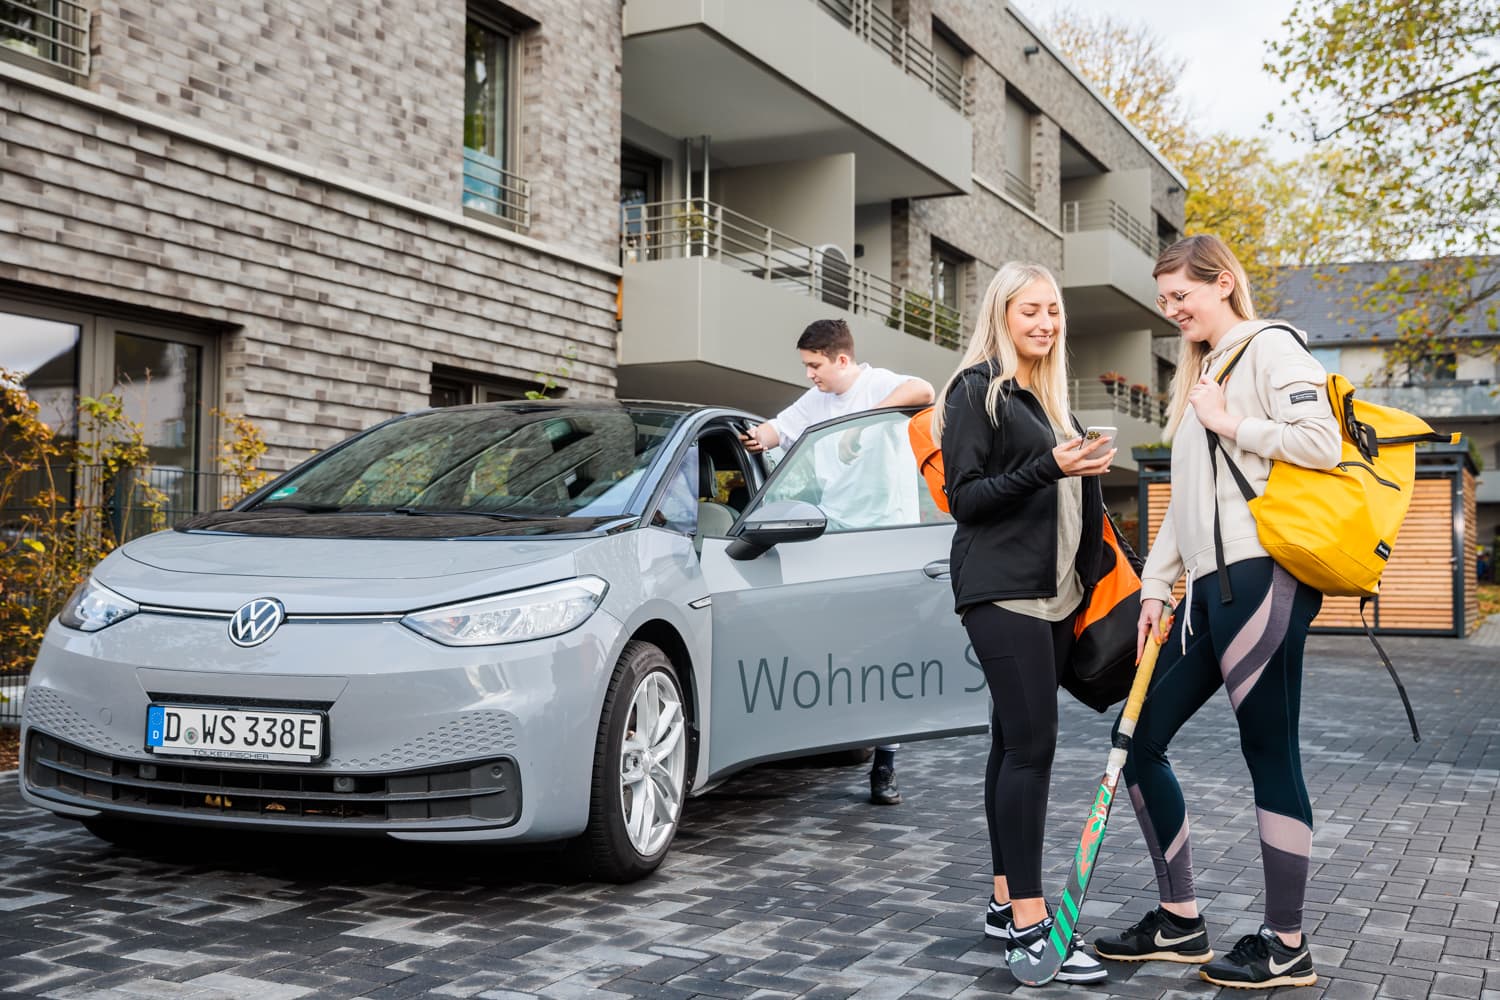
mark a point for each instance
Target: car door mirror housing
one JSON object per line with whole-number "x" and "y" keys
{"x": 777, "y": 522}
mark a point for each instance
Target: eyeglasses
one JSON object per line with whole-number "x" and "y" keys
{"x": 1177, "y": 298}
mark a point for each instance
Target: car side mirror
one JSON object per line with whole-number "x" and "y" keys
{"x": 782, "y": 521}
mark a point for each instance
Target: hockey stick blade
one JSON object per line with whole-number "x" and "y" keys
{"x": 1039, "y": 970}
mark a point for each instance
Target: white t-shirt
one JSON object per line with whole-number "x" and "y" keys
{"x": 879, "y": 487}
{"x": 815, "y": 406}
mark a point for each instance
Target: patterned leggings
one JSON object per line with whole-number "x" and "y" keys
{"x": 1253, "y": 647}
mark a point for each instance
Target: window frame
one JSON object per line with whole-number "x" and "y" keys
{"x": 928, "y": 515}
{"x": 473, "y": 386}
{"x": 495, "y": 22}
{"x": 96, "y": 360}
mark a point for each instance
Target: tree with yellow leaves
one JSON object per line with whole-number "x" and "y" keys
{"x": 1406, "y": 95}
{"x": 1271, "y": 213}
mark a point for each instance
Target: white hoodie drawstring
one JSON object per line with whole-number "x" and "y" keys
{"x": 1187, "y": 604}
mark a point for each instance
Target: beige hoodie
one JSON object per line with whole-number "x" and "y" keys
{"x": 1282, "y": 393}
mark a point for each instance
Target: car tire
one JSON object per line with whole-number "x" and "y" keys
{"x": 639, "y": 779}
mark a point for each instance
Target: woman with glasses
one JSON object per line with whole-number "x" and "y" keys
{"x": 1243, "y": 621}
{"x": 1028, "y": 546}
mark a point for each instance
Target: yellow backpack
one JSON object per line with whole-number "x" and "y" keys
{"x": 1334, "y": 529}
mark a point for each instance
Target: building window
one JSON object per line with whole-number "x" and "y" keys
{"x": 163, "y": 377}
{"x": 949, "y": 57}
{"x": 47, "y": 35}
{"x": 1016, "y": 135}
{"x": 454, "y": 387}
{"x": 492, "y": 184}
{"x": 1442, "y": 367}
{"x": 949, "y": 269}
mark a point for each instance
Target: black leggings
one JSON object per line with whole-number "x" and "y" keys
{"x": 1253, "y": 646}
{"x": 1023, "y": 660}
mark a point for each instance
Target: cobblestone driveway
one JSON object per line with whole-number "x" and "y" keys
{"x": 784, "y": 883}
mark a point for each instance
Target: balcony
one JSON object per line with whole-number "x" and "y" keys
{"x": 491, "y": 189}
{"x": 780, "y": 80}
{"x": 1447, "y": 400}
{"x": 915, "y": 58}
{"x": 52, "y": 37}
{"x": 713, "y": 302}
{"x": 1107, "y": 258}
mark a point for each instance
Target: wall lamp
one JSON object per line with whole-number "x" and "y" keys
{"x": 1031, "y": 50}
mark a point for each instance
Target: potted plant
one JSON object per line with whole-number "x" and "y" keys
{"x": 1114, "y": 382}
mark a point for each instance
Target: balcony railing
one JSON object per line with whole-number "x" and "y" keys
{"x": 1447, "y": 398}
{"x": 1083, "y": 216}
{"x": 890, "y": 36}
{"x": 491, "y": 188}
{"x": 53, "y": 32}
{"x": 1019, "y": 188}
{"x": 668, "y": 230}
{"x": 1091, "y": 394}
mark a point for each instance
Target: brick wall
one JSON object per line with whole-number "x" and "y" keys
{"x": 375, "y": 90}
{"x": 339, "y": 302}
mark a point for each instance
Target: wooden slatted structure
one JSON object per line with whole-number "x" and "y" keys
{"x": 1428, "y": 587}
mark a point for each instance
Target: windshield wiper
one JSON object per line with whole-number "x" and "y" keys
{"x": 494, "y": 514}
{"x": 305, "y": 508}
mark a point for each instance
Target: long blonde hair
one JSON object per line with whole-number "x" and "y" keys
{"x": 992, "y": 344}
{"x": 1203, "y": 257}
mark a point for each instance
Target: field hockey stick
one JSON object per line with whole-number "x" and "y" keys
{"x": 1065, "y": 917}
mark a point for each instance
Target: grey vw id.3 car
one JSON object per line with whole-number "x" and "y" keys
{"x": 509, "y": 622}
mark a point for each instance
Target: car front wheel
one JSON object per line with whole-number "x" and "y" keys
{"x": 640, "y": 767}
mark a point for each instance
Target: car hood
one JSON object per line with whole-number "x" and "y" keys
{"x": 210, "y": 572}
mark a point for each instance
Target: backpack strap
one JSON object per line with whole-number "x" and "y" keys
{"x": 1215, "y": 446}
{"x": 1411, "y": 716}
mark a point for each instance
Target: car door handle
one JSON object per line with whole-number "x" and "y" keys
{"x": 937, "y": 569}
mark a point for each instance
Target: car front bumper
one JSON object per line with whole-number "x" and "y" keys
{"x": 425, "y": 742}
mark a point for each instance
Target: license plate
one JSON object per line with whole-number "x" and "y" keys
{"x": 235, "y": 733}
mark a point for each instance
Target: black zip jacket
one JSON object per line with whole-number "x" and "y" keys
{"x": 1001, "y": 481}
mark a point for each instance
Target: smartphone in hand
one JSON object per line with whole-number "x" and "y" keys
{"x": 1092, "y": 435}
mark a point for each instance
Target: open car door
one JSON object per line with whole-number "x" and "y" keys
{"x": 847, "y": 638}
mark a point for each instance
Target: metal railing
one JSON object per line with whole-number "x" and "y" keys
{"x": 668, "y": 230}
{"x": 131, "y": 501}
{"x": 128, "y": 503}
{"x": 1091, "y": 394}
{"x": 491, "y": 188}
{"x": 1020, "y": 189}
{"x": 1081, "y": 216}
{"x": 54, "y": 32}
{"x": 915, "y": 57}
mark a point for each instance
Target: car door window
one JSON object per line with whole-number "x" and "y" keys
{"x": 860, "y": 471}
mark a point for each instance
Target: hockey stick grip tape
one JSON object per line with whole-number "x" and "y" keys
{"x": 1142, "y": 680}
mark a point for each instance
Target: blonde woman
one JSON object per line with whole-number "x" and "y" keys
{"x": 1027, "y": 548}
{"x": 1244, "y": 621}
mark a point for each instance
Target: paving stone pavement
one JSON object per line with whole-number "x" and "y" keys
{"x": 784, "y": 882}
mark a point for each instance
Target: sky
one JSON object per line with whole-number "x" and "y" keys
{"x": 1223, "y": 44}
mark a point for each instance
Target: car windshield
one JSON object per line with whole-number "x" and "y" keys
{"x": 532, "y": 461}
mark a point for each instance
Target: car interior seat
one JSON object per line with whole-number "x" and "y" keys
{"x": 714, "y": 518}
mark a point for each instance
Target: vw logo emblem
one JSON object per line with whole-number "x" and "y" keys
{"x": 254, "y": 622}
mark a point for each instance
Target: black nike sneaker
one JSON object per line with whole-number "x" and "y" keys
{"x": 997, "y": 920}
{"x": 1262, "y": 962}
{"x": 1159, "y": 935}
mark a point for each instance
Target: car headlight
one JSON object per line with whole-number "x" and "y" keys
{"x": 535, "y": 613}
{"x": 94, "y": 606}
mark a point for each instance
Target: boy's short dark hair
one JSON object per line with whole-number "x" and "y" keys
{"x": 828, "y": 337}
